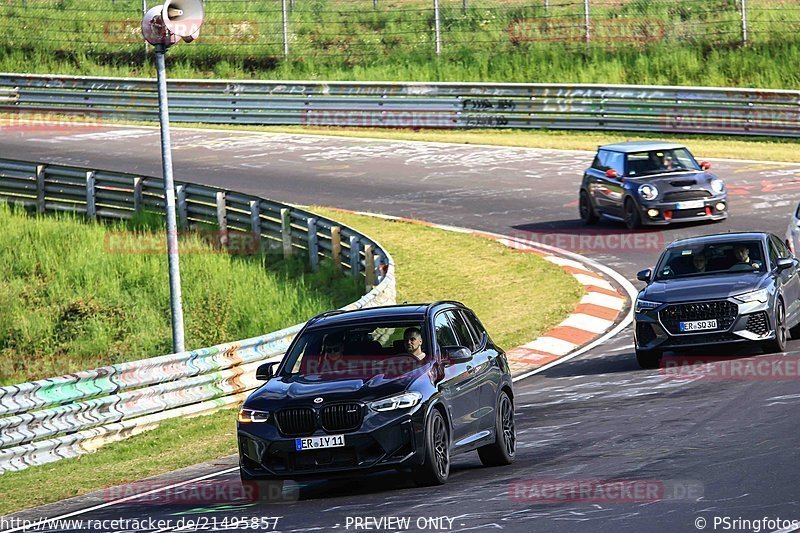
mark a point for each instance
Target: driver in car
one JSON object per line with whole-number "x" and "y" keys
{"x": 412, "y": 342}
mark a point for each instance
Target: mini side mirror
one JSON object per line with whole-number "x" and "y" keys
{"x": 705, "y": 165}
{"x": 644, "y": 275}
{"x": 784, "y": 263}
{"x": 266, "y": 371}
{"x": 457, "y": 354}
{"x": 612, "y": 174}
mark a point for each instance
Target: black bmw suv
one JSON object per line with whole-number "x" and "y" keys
{"x": 650, "y": 183}
{"x": 718, "y": 289}
{"x": 403, "y": 387}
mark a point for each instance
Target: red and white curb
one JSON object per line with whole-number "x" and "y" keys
{"x": 602, "y": 312}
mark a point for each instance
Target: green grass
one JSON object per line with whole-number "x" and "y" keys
{"x": 516, "y": 295}
{"x": 74, "y": 299}
{"x": 692, "y": 42}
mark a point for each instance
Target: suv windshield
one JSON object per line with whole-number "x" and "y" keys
{"x": 361, "y": 351}
{"x": 660, "y": 161}
{"x": 711, "y": 258}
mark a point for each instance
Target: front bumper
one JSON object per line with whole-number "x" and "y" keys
{"x": 753, "y": 322}
{"x": 673, "y": 212}
{"x": 383, "y": 442}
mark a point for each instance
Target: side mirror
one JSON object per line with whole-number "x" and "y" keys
{"x": 612, "y": 174}
{"x": 644, "y": 275}
{"x": 705, "y": 165}
{"x": 266, "y": 371}
{"x": 457, "y": 354}
{"x": 784, "y": 263}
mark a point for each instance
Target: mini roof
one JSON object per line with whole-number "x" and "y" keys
{"x": 641, "y": 146}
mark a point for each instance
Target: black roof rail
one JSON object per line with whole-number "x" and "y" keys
{"x": 326, "y": 313}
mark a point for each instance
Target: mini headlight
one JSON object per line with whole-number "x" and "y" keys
{"x": 717, "y": 185}
{"x": 247, "y": 416}
{"x": 644, "y": 305}
{"x": 761, "y": 295}
{"x": 401, "y": 401}
{"x": 648, "y": 191}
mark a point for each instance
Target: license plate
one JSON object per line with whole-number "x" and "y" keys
{"x": 692, "y": 204}
{"x": 698, "y": 325}
{"x": 316, "y": 443}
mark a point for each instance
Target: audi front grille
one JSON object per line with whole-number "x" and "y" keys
{"x": 723, "y": 311}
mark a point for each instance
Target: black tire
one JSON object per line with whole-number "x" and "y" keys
{"x": 778, "y": 344}
{"x": 648, "y": 359}
{"x": 261, "y": 490}
{"x": 633, "y": 220}
{"x": 503, "y": 450}
{"x": 586, "y": 209}
{"x": 436, "y": 467}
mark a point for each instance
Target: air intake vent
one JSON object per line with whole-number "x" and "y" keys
{"x": 341, "y": 417}
{"x": 296, "y": 422}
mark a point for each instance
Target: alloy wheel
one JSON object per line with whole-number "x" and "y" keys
{"x": 441, "y": 447}
{"x": 507, "y": 418}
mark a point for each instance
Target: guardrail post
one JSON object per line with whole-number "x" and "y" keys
{"x": 336, "y": 247}
{"x": 313, "y": 244}
{"x": 375, "y": 5}
{"x": 744, "y": 22}
{"x": 437, "y": 27}
{"x": 369, "y": 266}
{"x": 286, "y": 232}
{"x": 40, "y": 175}
{"x": 91, "y": 212}
{"x": 255, "y": 224}
{"x": 137, "y": 195}
{"x": 464, "y": 6}
{"x": 354, "y": 266}
{"x": 222, "y": 220}
{"x": 183, "y": 212}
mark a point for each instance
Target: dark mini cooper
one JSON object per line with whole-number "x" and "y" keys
{"x": 402, "y": 387}
{"x": 718, "y": 289}
{"x": 650, "y": 183}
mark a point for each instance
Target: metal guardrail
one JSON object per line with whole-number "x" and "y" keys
{"x": 417, "y": 105}
{"x": 50, "y": 419}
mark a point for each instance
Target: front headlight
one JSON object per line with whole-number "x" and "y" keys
{"x": 401, "y": 401}
{"x": 247, "y": 416}
{"x": 717, "y": 185}
{"x": 648, "y": 191}
{"x": 644, "y": 305}
{"x": 761, "y": 295}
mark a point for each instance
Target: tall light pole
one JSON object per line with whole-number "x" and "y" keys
{"x": 163, "y": 26}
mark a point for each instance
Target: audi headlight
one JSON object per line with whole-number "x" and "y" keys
{"x": 761, "y": 295}
{"x": 717, "y": 185}
{"x": 247, "y": 416}
{"x": 401, "y": 401}
{"x": 648, "y": 191}
{"x": 644, "y": 305}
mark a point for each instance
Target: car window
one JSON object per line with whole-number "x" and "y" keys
{"x": 463, "y": 335}
{"x": 445, "y": 336}
{"x": 783, "y": 250}
{"x": 711, "y": 258}
{"x": 606, "y": 159}
{"x": 475, "y": 325}
{"x": 774, "y": 253}
{"x": 660, "y": 161}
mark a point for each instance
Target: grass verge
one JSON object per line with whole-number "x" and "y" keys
{"x": 516, "y": 295}
{"x": 78, "y": 295}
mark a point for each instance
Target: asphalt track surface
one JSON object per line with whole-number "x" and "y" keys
{"x": 715, "y": 448}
